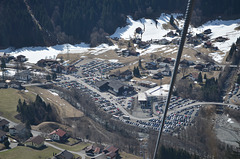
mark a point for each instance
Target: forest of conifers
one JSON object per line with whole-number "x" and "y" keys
{"x": 74, "y": 21}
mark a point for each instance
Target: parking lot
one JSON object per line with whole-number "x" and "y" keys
{"x": 119, "y": 107}
{"x": 181, "y": 112}
{"x": 96, "y": 68}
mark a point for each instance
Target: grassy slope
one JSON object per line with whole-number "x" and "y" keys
{"x": 22, "y": 152}
{"x": 9, "y": 100}
{"x": 125, "y": 155}
{"x": 8, "y": 103}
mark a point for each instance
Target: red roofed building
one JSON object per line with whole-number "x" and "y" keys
{"x": 58, "y": 135}
{"x": 111, "y": 152}
{"x": 97, "y": 151}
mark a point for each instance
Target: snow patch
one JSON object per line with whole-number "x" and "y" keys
{"x": 152, "y": 29}
{"x": 34, "y": 54}
{"x": 230, "y": 121}
{"x": 53, "y": 93}
{"x": 113, "y": 60}
{"x": 217, "y": 56}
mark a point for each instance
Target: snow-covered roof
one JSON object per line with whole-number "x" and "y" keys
{"x": 142, "y": 96}
{"x": 158, "y": 91}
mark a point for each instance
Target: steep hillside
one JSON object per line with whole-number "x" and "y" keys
{"x": 37, "y": 23}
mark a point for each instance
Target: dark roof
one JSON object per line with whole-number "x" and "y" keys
{"x": 36, "y": 139}
{"x": 3, "y": 122}
{"x": 116, "y": 84}
{"x": 184, "y": 61}
{"x": 21, "y": 56}
{"x": 151, "y": 63}
{"x": 100, "y": 83}
{"x": 2, "y": 85}
{"x": 19, "y": 127}
{"x": 127, "y": 72}
{"x": 64, "y": 155}
{"x": 2, "y": 133}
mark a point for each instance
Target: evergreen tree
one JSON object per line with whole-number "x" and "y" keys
{"x": 231, "y": 52}
{"x": 35, "y": 112}
{"x": 238, "y": 79}
{"x": 54, "y": 76}
{"x": 136, "y": 72}
{"x": 3, "y": 66}
{"x": 199, "y": 78}
{"x": 205, "y": 76}
{"x": 19, "y": 105}
{"x": 28, "y": 125}
{"x": 48, "y": 78}
{"x": 171, "y": 20}
{"x": 6, "y": 143}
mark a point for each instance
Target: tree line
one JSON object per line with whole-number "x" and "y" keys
{"x": 91, "y": 20}
{"x": 35, "y": 112}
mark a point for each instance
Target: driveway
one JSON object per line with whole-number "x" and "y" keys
{"x": 81, "y": 153}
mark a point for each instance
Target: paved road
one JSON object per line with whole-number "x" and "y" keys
{"x": 113, "y": 100}
{"x": 107, "y": 97}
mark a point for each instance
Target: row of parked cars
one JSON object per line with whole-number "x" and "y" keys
{"x": 173, "y": 120}
{"x": 100, "y": 101}
{"x": 176, "y": 102}
{"x": 98, "y": 67}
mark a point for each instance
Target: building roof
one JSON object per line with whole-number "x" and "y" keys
{"x": 127, "y": 72}
{"x": 111, "y": 154}
{"x": 158, "y": 91}
{"x": 3, "y": 122}
{"x": 59, "y": 132}
{"x": 36, "y": 139}
{"x": 21, "y": 56}
{"x": 97, "y": 150}
{"x": 110, "y": 149}
{"x": 100, "y": 83}
{"x": 18, "y": 127}
{"x": 90, "y": 147}
{"x": 116, "y": 84}
{"x": 65, "y": 154}
{"x": 2, "y": 133}
{"x": 3, "y": 85}
{"x": 142, "y": 96}
{"x": 2, "y": 54}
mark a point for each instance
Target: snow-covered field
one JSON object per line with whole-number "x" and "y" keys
{"x": 155, "y": 31}
{"x": 152, "y": 29}
{"x": 35, "y": 54}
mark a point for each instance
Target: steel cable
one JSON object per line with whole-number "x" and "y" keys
{"x": 176, "y": 65}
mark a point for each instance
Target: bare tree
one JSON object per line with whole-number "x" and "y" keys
{"x": 184, "y": 70}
